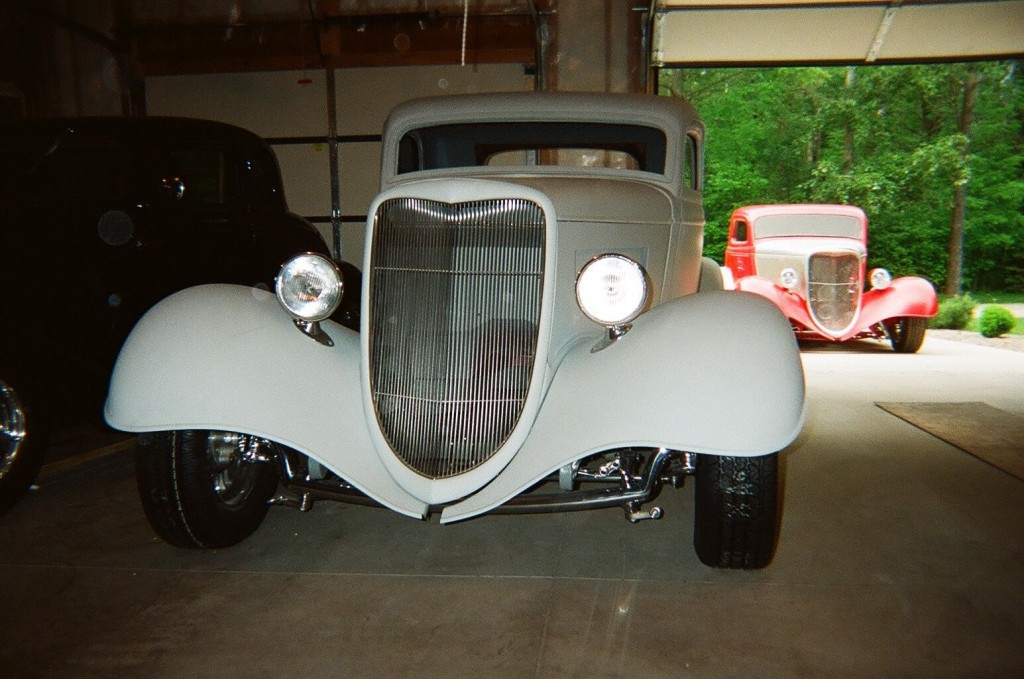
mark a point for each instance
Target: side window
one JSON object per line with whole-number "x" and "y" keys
{"x": 206, "y": 175}
{"x": 91, "y": 171}
{"x": 691, "y": 163}
{"x": 257, "y": 185}
{"x": 740, "y": 231}
{"x": 409, "y": 156}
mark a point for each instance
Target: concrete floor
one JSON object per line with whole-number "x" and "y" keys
{"x": 900, "y": 555}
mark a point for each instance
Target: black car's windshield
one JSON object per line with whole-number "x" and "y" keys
{"x": 628, "y": 147}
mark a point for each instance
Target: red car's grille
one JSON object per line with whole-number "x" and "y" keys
{"x": 455, "y": 299}
{"x": 833, "y": 289}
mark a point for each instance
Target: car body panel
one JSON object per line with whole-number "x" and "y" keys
{"x": 230, "y": 360}
{"x": 907, "y": 296}
{"x": 220, "y": 368}
{"x": 677, "y": 362}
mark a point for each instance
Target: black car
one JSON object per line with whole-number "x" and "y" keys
{"x": 102, "y": 218}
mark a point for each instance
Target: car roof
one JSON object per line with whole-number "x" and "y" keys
{"x": 667, "y": 112}
{"x": 135, "y": 128}
{"x": 754, "y": 212}
{"x": 674, "y": 116}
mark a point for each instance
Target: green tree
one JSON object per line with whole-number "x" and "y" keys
{"x": 890, "y": 139}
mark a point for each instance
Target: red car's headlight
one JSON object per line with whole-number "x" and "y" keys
{"x": 880, "y": 279}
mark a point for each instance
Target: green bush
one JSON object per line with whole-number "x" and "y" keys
{"x": 996, "y": 321}
{"x": 954, "y": 313}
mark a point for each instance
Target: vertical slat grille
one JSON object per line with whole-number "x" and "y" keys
{"x": 834, "y": 288}
{"x": 455, "y": 303}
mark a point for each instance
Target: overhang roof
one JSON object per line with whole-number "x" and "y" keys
{"x": 777, "y": 32}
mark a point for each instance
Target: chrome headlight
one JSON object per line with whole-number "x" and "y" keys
{"x": 611, "y": 290}
{"x": 789, "y": 278}
{"x": 309, "y": 287}
{"x": 880, "y": 279}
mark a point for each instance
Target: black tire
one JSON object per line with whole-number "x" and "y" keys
{"x": 21, "y": 447}
{"x": 197, "y": 488}
{"x": 906, "y": 334}
{"x": 736, "y": 513}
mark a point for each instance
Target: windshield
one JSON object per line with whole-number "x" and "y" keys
{"x": 843, "y": 226}
{"x": 627, "y": 147}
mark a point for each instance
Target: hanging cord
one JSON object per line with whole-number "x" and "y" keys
{"x": 465, "y": 21}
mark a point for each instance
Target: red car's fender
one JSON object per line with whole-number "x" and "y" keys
{"x": 792, "y": 305}
{"x": 906, "y": 296}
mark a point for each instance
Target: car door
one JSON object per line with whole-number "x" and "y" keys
{"x": 195, "y": 216}
{"x": 68, "y": 286}
{"x": 739, "y": 252}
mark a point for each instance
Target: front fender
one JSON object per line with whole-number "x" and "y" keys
{"x": 227, "y": 357}
{"x": 906, "y": 296}
{"x": 717, "y": 373}
{"x": 792, "y": 305}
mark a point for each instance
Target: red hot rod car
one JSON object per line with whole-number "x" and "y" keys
{"x": 810, "y": 260}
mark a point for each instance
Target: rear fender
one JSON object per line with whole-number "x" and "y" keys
{"x": 717, "y": 373}
{"x": 227, "y": 357}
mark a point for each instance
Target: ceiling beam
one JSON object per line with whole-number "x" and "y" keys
{"x": 378, "y": 40}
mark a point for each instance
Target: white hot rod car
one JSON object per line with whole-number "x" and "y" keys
{"x": 539, "y": 333}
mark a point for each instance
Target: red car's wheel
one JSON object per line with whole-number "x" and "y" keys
{"x": 906, "y": 334}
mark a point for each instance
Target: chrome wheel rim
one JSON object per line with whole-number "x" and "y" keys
{"x": 898, "y": 329}
{"x": 12, "y": 428}
{"x": 236, "y": 459}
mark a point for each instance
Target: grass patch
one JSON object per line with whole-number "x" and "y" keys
{"x": 1018, "y": 329}
{"x": 961, "y": 312}
{"x": 989, "y": 297}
